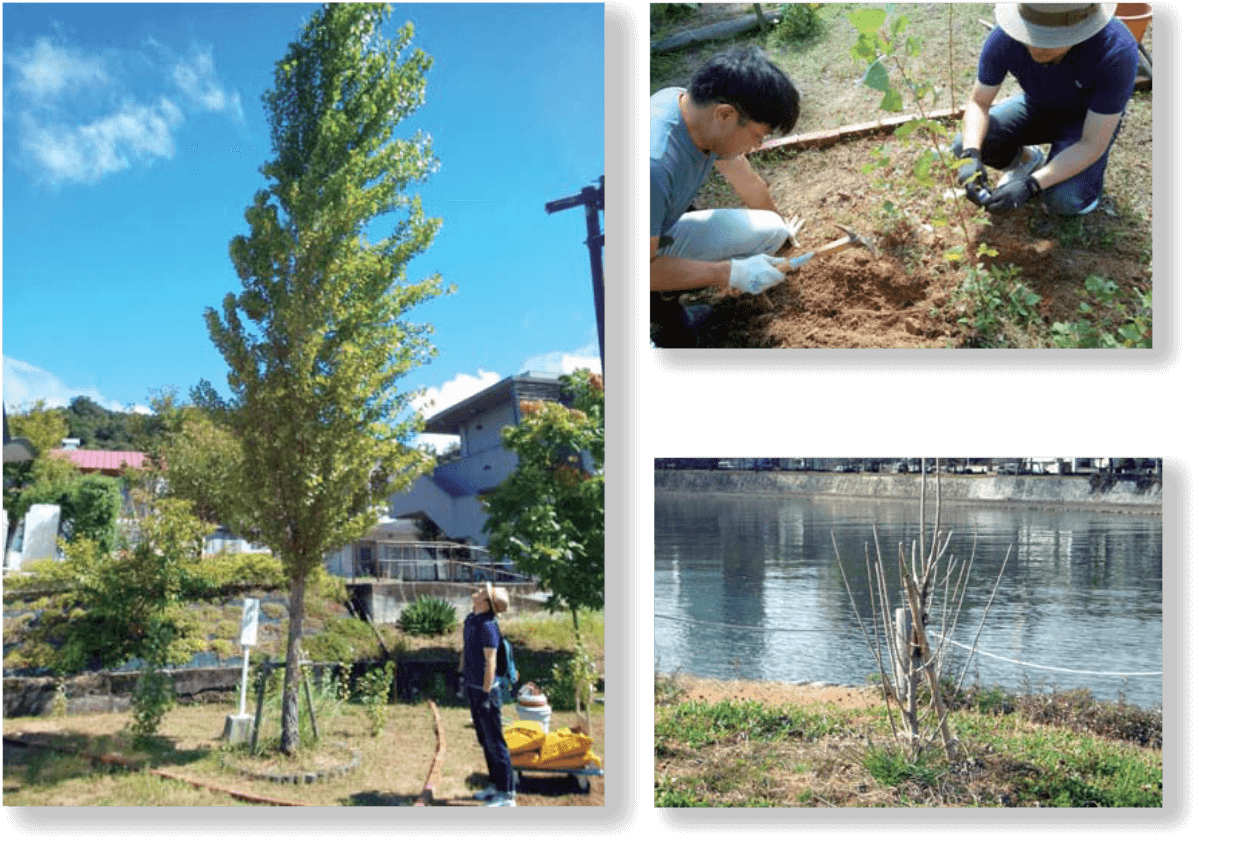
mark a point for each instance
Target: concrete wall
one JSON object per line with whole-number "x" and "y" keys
{"x": 111, "y": 692}
{"x": 1030, "y": 490}
{"x": 383, "y": 601}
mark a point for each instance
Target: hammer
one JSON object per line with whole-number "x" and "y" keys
{"x": 843, "y": 243}
{"x": 852, "y": 239}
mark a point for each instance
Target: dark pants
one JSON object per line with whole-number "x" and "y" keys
{"x": 488, "y": 724}
{"x": 1015, "y": 123}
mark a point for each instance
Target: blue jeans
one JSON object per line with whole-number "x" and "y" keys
{"x": 1015, "y": 123}
{"x": 488, "y": 724}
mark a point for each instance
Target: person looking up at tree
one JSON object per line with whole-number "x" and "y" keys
{"x": 479, "y": 667}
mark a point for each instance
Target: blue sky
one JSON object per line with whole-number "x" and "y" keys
{"x": 132, "y": 140}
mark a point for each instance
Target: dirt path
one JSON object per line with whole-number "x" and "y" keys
{"x": 713, "y": 690}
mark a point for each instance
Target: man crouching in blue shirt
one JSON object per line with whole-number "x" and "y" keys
{"x": 1076, "y": 65}
{"x": 733, "y": 102}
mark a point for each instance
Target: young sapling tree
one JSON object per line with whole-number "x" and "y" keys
{"x": 884, "y": 39}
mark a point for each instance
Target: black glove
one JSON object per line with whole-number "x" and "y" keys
{"x": 1013, "y": 193}
{"x": 974, "y": 177}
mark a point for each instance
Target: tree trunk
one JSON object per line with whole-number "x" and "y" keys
{"x": 290, "y": 731}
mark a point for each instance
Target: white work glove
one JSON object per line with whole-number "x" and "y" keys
{"x": 794, "y": 224}
{"x": 758, "y": 273}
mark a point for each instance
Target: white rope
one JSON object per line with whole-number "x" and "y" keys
{"x": 733, "y": 626}
{"x": 930, "y": 631}
{"x": 1038, "y": 666}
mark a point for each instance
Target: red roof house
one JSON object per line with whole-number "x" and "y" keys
{"x": 111, "y": 463}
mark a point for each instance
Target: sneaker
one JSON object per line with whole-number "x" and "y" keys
{"x": 1030, "y": 160}
{"x": 1093, "y": 205}
{"x": 502, "y": 799}
{"x": 486, "y": 794}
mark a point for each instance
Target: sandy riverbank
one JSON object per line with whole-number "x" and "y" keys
{"x": 713, "y": 690}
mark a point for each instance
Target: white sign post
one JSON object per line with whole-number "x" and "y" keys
{"x": 249, "y": 637}
{"x": 237, "y": 728}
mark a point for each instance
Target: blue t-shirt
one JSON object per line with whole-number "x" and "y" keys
{"x": 1096, "y": 75}
{"x": 677, "y": 168}
{"x": 480, "y": 632}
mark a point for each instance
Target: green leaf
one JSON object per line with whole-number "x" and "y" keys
{"x": 905, "y": 131}
{"x": 891, "y": 101}
{"x": 922, "y": 168}
{"x": 915, "y": 45}
{"x": 876, "y": 77}
{"x": 868, "y": 21}
{"x": 865, "y": 49}
{"x": 900, "y": 26}
{"x": 1131, "y": 332}
{"x": 954, "y": 253}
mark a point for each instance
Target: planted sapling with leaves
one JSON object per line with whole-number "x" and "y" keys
{"x": 883, "y": 42}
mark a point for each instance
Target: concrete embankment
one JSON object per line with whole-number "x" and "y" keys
{"x": 1079, "y": 492}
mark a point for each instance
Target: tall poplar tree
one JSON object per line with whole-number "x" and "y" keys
{"x": 317, "y": 341}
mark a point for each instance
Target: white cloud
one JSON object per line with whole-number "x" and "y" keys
{"x": 87, "y": 153}
{"x": 195, "y": 76}
{"x": 565, "y": 362}
{"x": 82, "y": 140}
{"x": 46, "y": 70}
{"x": 435, "y": 399}
{"x": 25, "y": 383}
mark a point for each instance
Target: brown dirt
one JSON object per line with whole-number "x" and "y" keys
{"x": 392, "y": 771}
{"x": 712, "y": 690}
{"x": 901, "y": 296}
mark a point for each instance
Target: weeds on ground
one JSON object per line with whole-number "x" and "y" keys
{"x": 997, "y": 309}
{"x": 1109, "y": 318}
{"x": 747, "y": 754}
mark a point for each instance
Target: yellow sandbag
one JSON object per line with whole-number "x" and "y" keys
{"x": 523, "y": 737}
{"x": 528, "y": 759}
{"x": 572, "y": 761}
{"x": 564, "y": 743}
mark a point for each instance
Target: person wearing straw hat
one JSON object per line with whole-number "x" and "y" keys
{"x": 478, "y": 665}
{"x": 1076, "y": 66}
{"x": 731, "y": 104}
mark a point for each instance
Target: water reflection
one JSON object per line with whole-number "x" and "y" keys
{"x": 749, "y": 588}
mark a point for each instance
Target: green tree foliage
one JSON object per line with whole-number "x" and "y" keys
{"x": 199, "y": 459}
{"x": 92, "y": 509}
{"x": 316, "y": 342}
{"x": 89, "y": 504}
{"x": 124, "y": 605}
{"x": 100, "y": 428}
{"x": 43, "y": 479}
{"x": 548, "y": 515}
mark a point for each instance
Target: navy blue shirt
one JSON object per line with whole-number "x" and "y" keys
{"x": 480, "y": 632}
{"x": 1096, "y": 75}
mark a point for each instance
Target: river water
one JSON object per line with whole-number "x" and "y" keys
{"x": 749, "y": 587}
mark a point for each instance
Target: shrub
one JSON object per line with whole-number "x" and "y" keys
{"x": 373, "y": 690}
{"x": 800, "y": 23}
{"x": 342, "y": 639}
{"x": 572, "y": 679}
{"x": 428, "y": 616}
